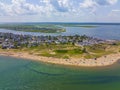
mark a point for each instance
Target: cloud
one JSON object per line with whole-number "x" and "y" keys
{"x": 106, "y": 2}
{"x": 114, "y": 13}
{"x": 92, "y": 5}
{"x": 44, "y": 7}
{"x": 88, "y": 4}
{"x": 21, "y": 7}
{"x": 112, "y": 1}
{"x": 59, "y": 6}
{"x": 116, "y": 10}
{"x": 51, "y": 7}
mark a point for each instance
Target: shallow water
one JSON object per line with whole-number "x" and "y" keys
{"x": 19, "y": 74}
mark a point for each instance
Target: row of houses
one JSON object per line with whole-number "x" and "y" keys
{"x": 10, "y": 40}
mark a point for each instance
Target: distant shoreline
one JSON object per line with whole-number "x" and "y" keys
{"x": 102, "y": 61}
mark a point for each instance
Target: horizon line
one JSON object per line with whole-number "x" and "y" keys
{"x": 60, "y": 22}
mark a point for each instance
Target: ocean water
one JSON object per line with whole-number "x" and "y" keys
{"x": 21, "y": 74}
{"x": 102, "y": 30}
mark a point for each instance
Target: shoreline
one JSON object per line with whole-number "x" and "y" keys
{"x": 99, "y": 62}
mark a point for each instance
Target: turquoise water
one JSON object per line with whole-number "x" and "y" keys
{"x": 19, "y": 74}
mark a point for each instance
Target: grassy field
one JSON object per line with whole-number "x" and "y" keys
{"x": 67, "y": 51}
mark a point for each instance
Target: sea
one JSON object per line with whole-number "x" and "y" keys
{"x": 99, "y": 30}
{"x": 23, "y": 74}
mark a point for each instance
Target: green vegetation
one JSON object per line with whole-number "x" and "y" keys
{"x": 67, "y": 51}
{"x": 43, "y": 28}
{"x": 90, "y": 26}
{"x": 78, "y": 25}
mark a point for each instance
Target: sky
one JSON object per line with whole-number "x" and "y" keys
{"x": 59, "y": 10}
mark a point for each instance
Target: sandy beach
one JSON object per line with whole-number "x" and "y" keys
{"x": 102, "y": 61}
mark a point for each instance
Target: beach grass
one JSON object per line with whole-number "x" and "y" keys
{"x": 68, "y": 54}
{"x": 66, "y": 51}
{"x": 72, "y": 51}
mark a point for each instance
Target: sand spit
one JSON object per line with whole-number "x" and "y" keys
{"x": 102, "y": 61}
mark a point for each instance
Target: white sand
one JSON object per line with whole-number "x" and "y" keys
{"x": 102, "y": 61}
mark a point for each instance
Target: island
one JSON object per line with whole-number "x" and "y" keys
{"x": 42, "y": 28}
{"x": 77, "y": 50}
{"x": 82, "y": 25}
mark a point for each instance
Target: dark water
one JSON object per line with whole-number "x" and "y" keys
{"x": 18, "y": 74}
